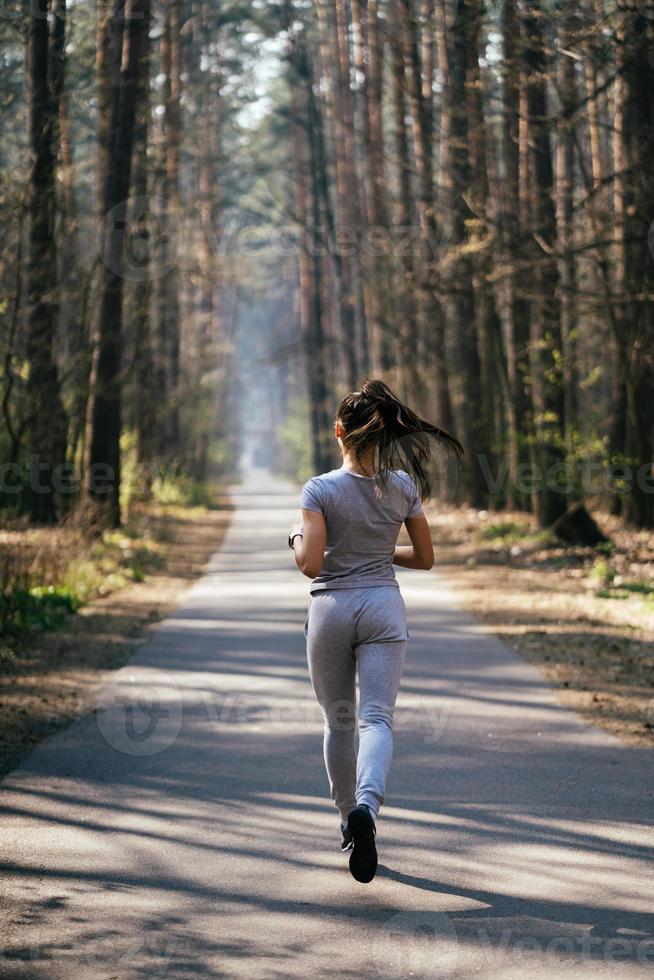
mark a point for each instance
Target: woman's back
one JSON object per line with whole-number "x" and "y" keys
{"x": 362, "y": 527}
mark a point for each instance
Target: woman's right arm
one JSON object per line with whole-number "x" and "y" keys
{"x": 420, "y": 553}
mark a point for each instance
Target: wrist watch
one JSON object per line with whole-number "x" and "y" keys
{"x": 293, "y": 536}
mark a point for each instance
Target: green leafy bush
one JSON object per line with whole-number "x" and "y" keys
{"x": 183, "y": 491}
{"x": 41, "y": 607}
{"x": 602, "y": 572}
{"x": 503, "y": 529}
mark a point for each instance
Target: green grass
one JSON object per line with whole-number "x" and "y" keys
{"x": 182, "y": 491}
{"x": 504, "y": 530}
{"x": 626, "y": 589}
{"x": 514, "y": 532}
{"x": 41, "y": 608}
{"x": 642, "y": 587}
{"x": 602, "y": 572}
{"x": 43, "y": 599}
{"x": 117, "y": 559}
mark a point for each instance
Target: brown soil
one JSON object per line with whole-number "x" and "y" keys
{"x": 566, "y": 609}
{"x": 55, "y": 676}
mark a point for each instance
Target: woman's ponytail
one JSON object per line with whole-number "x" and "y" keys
{"x": 375, "y": 419}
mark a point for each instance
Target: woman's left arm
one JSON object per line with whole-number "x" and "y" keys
{"x": 309, "y": 548}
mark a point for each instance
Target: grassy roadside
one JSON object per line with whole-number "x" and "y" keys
{"x": 585, "y": 616}
{"x": 101, "y": 599}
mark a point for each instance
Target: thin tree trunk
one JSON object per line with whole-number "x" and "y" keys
{"x": 356, "y": 208}
{"x": 338, "y": 136}
{"x": 104, "y": 457}
{"x": 549, "y": 499}
{"x": 461, "y": 287}
{"x": 565, "y": 75}
{"x": 636, "y": 188}
{"x": 513, "y": 308}
{"x": 212, "y": 354}
{"x": 48, "y": 422}
{"x": 145, "y": 395}
{"x": 374, "y": 91}
{"x": 308, "y": 210}
{"x": 488, "y": 326}
{"x": 73, "y": 323}
{"x": 370, "y": 266}
{"x": 422, "y": 122}
{"x": 110, "y": 23}
{"x": 408, "y": 338}
{"x": 618, "y": 415}
{"x": 168, "y": 285}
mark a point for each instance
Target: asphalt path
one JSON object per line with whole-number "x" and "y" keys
{"x": 184, "y": 829}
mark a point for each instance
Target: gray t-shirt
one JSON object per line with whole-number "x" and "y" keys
{"x": 362, "y": 527}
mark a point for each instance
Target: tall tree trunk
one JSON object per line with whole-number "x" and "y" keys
{"x": 461, "y": 292}
{"x": 144, "y": 394}
{"x": 369, "y": 263}
{"x": 617, "y": 423}
{"x": 407, "y": 339}
{"x": 168, "y": 285}
{"x": 74, "y": 283}
{"x": 108, "y": 58}
{"x": 47, "y": 418}
{"x": 513, "y": 192}
{"x": 206, "y": 84}
{"x": 549, "y": 497}
{"x": 355, "y": 205}
{"x": 308, "y": 210}
{"x": 109, "y": 30}
{"x": 565, "y": 139}
{"x": 636, "y": 206}
{"x": 422, "y": 124}
{"x": 379, "y": 213}
{"x": 337, "y": 138}
{"x": 104, "y": 457}
{"x": 483, "y": 240}
{"x": 593, "y": 157}
{"x": 328, "y": 268}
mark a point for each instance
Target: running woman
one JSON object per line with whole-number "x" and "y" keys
{"x": 356, "y": 621}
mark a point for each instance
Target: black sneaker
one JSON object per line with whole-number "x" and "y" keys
{"x": 363, "y": 859}
{"x": 348, "y": 841}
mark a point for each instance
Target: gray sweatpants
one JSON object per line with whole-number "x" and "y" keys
{"x": 346, "y": 629}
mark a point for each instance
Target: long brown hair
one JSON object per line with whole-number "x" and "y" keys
{"x": 375, "y": 419}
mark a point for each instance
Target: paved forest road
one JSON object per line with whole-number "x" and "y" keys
{"x": 184, "y": 830}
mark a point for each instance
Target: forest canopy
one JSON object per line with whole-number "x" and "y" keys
{"x": 220, "y": 217}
